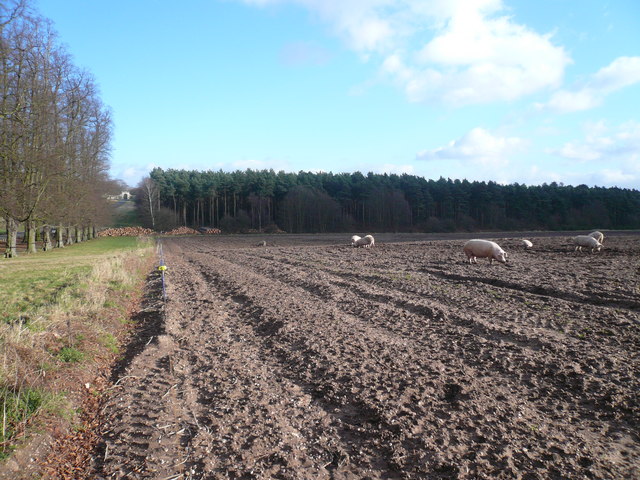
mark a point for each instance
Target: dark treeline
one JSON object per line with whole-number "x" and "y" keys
{"x": 327, "y": 202}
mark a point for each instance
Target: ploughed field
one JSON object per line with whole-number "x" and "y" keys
{"x": 309, "y": 359}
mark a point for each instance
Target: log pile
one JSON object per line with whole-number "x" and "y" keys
{"x": 210, "y": 231}
{"x": 139, "y": 231}
{"x": 182, "y": 231}
{"x": 126, "y": 232}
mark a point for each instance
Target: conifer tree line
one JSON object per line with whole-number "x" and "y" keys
{"x": 55, "y": 135}
{"x": 306, "y": 202}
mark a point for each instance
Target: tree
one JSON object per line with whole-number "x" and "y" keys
{"x": 148, "y": 194}
{"x": 54, "y": 132}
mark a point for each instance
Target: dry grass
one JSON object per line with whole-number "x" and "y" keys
{"x": 63, "y": 313}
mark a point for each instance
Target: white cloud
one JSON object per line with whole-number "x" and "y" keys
{"x": 537, "y": 175}
{"x": 397, "y": 169}
{"x": 254, "y": 164}
{"x": 606, "y": 155}
{"x": 604, "y": 144}
{"x": 479, "y": 59}
{"x": 478, "y": 147}
{"x": 621, "y": 73}
{"x": 617, "y": 177}
{"x": 577, "y": 151}
{"x": 131, "y": 175}
{"x": 249, "y": 163}
{"x": 365, "y": 25}
{"x": 564, "y": 101}
{"x": 454, "y": 51}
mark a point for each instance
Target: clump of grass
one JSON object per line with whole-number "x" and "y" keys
{"x": 111, "y": 343}
{"x": 70, "y": 355}
{"x": 18, "y": 407}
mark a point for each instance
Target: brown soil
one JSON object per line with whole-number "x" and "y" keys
{"x": 309, "y": 359}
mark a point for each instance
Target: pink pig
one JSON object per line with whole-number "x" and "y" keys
{"x": 484, "y": 249}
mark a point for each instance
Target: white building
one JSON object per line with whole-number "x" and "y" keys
{"x": 126, "y": 195}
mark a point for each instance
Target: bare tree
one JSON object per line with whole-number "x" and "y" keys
{"x": 11, "y": 10}
{"x": 16, "y": 54}
{"x": 54, "y": 133}
{"x": 149, "y": 200}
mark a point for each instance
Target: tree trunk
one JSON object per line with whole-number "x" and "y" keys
{"x": 11, "y": 250}
{"x": 46, "y": 238}
{"x": 216, "y": 212}
{"x": 30, "y": 233}
{"x": 70, "y": 236}
{"x": 59, "y": 237}
{"x": 175, "y": 209}
{"x": 78, "y": 234}
{"x": 149, "y": 193}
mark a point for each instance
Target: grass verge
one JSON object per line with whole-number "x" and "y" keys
{"x": 125, "y": 214}
{"x": 64, "y": 314}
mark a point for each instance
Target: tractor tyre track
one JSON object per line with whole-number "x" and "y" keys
{"x": 321, "y": 361}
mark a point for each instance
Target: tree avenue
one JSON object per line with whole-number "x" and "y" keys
{"x": 54, "y": 135}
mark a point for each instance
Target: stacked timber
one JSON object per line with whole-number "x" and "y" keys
{"x": 182, "y": 231}
{"x": 210, "y": 231}
{"x": 126, "y": 232}
{"x": 139, "y": 231}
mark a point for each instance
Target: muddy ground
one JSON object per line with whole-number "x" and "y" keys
{"x": 308, "y": 359}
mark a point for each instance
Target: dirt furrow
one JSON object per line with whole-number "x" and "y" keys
{"x": 452, "y": 386}
{"x": 419, "y": 284}
{"x": 323, "y": 361}
{"x": 422, "y": 316}
{"x": 254, "y": 397}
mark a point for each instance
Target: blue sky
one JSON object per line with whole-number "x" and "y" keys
{"x": 501, "y": 90}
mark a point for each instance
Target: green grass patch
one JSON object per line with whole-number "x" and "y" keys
{"x": 125, "y": 215}
{"x": 17, "y": 407}
{"x": 109, "y": 304}
{"x": 33, "y": 290}
{"x": 30, "y": 282}
{"x": 70, "y": 355}
{"x": 111, "y": 343}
